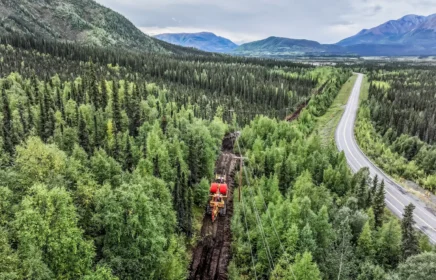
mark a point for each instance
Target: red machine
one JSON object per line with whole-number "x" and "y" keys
{"x": 218, "y": 193}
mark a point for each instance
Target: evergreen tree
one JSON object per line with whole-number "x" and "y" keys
{"x": 116, "y": 108}
{"x": 135, "y": 114}
{"x": 34, "y": 85}
{"x": 97, "y": 141}
{"x": 373, "y": 189}
{"x": 104, "y": 94}
{"x": 379, "y": 205}
{"x": 48, "y": 115}
{"x": 128, "y": 161}
{"x": 92, "y": 85}
{"x": 84, "y": 135}
{"x": 410, "y": 244}
{"x": 361, "y": 194}
{"x": 7, "y": 124}
{"x": 42, "y": 121}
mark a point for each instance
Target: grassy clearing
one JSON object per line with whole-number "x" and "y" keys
{"x": 326, "y": 124}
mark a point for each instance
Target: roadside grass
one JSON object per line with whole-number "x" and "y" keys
{"x": 326, "y": 124}
{"x": 364, "y": 90}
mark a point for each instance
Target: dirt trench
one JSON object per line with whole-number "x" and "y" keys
{"x": 211, "y": 256}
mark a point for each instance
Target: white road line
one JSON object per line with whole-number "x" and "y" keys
{"x": 350, "y": 113}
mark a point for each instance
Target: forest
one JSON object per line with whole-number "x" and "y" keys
{"x": 106, "y": 155}
{"x": 303, "y": 214}
{"x": 397, "y": 123}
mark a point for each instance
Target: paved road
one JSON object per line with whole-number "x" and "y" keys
{"x": 396, "y": 196}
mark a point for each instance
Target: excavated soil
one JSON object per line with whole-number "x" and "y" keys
{"x": 211, "y": 256}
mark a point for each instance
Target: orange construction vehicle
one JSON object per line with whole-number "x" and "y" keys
{"x": 218, "y": 193}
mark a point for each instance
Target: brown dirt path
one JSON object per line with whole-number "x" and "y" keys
{"x": 212, "y": 254}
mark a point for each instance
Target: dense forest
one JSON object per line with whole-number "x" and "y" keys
{"x": 247, "y": 86}
{"x": 105, "y": 155}
{"x": 303, "y": 215}
{"x": 397, "y": 123}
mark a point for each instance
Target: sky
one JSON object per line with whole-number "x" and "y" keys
{"x": 326, "y": 21}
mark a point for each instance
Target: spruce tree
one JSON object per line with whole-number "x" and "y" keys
{"x": 23, "y": 120}
{"x": 7, "y": 124}
{"x": 128, "y": 161}
{"x": 361, "y": 194}
{"x": 93, "y": 87}
{"x": 49, "y": 119}
{"x": 96, "y": 133}
{"x": 379, "y": 204}
{"x": 373, "y": 189}
{"x": 84, "y": 135}
{"x": 116, "y": 109}
{"x": 410, "y": 244}
{"x": 135, "y": 115}
{"x": 178, "y": 196}
{"x": 35, "y": 87}
{"x": 104, "y": 97}
{"x": 42, "y": 121}
{"x": 188, "y": 212}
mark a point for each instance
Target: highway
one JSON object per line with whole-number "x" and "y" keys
{"x": 396, "y": 196}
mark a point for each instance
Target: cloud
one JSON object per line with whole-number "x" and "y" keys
{"x": 327, "y": 21}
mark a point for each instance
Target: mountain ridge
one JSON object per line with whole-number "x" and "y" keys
{"x": 205, "y": 41}
{"x": 414, "y": 33}
{"x": 279, "y": 46}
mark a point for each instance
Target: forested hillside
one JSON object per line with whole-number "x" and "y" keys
{"x": 82, "y": 21}
{"x": 397, "y": 123}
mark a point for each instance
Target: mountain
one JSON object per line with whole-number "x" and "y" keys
{"x": 409, "y": 35}
{"x": 277, "y": 46}
{"x": 83, "y": 21}
{"x": 204, "y": 41}
{"x": 390, "y": 32}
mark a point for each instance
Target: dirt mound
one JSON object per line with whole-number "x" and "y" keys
{"x": 212, "y": 255}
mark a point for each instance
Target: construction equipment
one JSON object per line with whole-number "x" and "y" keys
{"x": 218, "y": 193}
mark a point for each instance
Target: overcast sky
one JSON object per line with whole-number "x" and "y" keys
{"x": 326, "y": 21}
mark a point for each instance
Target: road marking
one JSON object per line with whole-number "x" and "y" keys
{"x": 347, "y": 115}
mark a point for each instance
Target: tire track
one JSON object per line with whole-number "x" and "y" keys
{"x": 212, "y": 254}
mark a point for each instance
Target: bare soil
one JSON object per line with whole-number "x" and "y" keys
{"x": 212, "y": 254}
{"x": 296, "y": 114}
